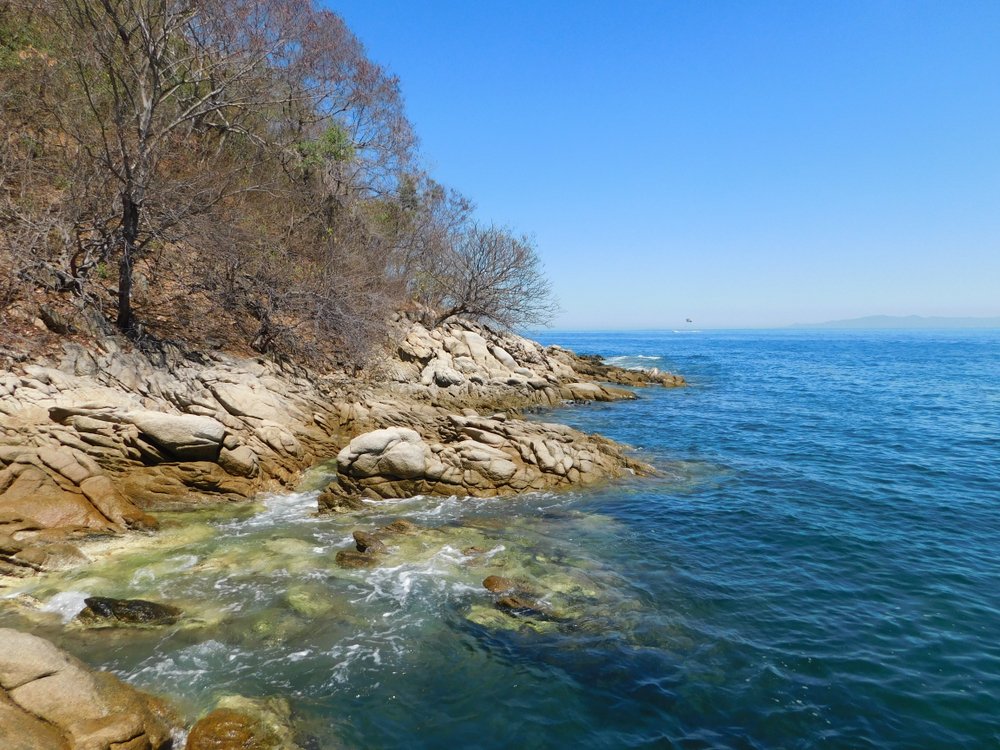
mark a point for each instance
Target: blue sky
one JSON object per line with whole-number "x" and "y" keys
{"x": 741, "y": 164}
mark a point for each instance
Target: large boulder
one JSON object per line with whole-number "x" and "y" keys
{"x": 50, "y": 700}
{"x": 393, "y": 452}
{"x": 187, "y": 437}
{"x": 26, "y": 486}
{"x": 472, "y": 455}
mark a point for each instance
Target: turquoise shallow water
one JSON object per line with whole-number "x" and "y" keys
{"x": 817, "y": 566}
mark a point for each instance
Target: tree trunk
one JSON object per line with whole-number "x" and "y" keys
{"x": 130, "y": 234}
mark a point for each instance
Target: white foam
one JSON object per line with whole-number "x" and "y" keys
{"x": 149, "y": 573}
{"x": 294, "y": 507}
{"x": 66, "y": 604}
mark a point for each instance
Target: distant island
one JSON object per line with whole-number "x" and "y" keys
{"x": 905, "y": 321}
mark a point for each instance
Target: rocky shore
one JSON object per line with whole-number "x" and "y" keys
{"x": 50, "y": 700}
{"x": 100, "y": 438}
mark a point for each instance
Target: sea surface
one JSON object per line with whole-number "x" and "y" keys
{"x": 816, "y": 566}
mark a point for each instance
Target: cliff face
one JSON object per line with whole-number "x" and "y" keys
{"x": 94, "y": 440}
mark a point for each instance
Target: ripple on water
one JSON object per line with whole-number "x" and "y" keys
{"x": 815, "y": 566}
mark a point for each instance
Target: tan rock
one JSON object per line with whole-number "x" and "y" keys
{"x": 19, "y": 730}
{"x": 114, "y": 505}
{"x": 50, "y": 504}
{"x": 241, "y": 461}
{"x": 81, "y": 709}
{"x": 185, "y": 436}
{"x": 250, "y": 400}
{"x": 76, "y": 467}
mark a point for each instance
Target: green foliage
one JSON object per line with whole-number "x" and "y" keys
{"x": 334, "y": 144}
{"x": 20, "y": 43}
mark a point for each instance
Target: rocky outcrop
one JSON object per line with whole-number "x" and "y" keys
{"x": 48, "y": 699}
{"x": 64, "y": 487}
{"x": 25, "y": 548}
{"x": 478, "y": 456}
{"x": 470, "y": 365}
{"x": 594, "y": 367}
{"x": 90, "y": 442}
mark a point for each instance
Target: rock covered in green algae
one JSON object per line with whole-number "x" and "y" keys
{"x": 271, "y": 627}
{"x": 289, "y": 547}
{"x": 494, "y": 619}
{"x": 349, "y": 558}
{"x": 310, "y": 600}
{"x": 102, "y": 610}
{"x": 239, "y": 723}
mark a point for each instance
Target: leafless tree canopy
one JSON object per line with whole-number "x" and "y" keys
{"x": 244, "y": 153}
{"x": 493, "y": 275}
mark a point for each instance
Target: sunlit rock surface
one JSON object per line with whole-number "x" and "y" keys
{"x": 50, "y": 700}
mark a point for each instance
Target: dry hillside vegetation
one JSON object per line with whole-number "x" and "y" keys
{"x": 229, "y": 173}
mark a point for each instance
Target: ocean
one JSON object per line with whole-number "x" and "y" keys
{"x": 816, "y": 565}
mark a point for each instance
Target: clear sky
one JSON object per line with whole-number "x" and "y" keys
{"x": 741, "y": 164}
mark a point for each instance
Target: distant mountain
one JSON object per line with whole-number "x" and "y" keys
{"x": 904, "y": 321}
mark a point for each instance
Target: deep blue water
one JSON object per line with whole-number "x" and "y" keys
{"x": 817, "y": 566}
{"x": 825, "y": 547}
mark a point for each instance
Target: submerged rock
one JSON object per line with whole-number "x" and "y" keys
{"x": 106, "y": 611}
{"x": 498, "y": 584}
{"x": 401, "y": 526}
{"x": 310, "y": 600}
{"x": 352, "y": 559}
{"x": 240, "y": 723}
{"x": 494, "y": 619}
{"x": 517, "y": 604}
{"x": 371, "y": 546}
{"x": 332, "y": 501}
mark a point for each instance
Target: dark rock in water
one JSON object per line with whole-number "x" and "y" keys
{"x": 348, "y": 558}
{"x": 366, "y": 542}
{"x": 471, "y": 551}
{"x": 401, "y": 526}
{"x": 128, "y": 611}
{"x": 498, "y": 584}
